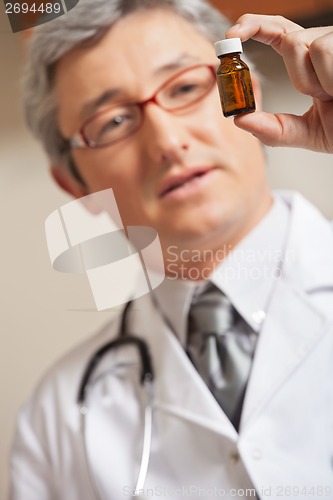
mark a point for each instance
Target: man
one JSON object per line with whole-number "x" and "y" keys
{"x": 177, "y": 165}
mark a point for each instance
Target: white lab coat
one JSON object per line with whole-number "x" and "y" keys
{"x": 286, "y": 434}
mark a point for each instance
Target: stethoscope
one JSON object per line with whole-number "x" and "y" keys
{"x": 146, "y": 379}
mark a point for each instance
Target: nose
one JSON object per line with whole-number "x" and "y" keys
{"x": 166, "y": 136}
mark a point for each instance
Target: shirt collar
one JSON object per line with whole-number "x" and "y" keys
{"x": 247, "y": 275}
{"x": 173, "y": 298}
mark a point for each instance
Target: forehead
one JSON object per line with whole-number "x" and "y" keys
{"x": 137, "y": 54}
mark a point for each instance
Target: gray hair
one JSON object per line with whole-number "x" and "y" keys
{"x": 85, "y": 25}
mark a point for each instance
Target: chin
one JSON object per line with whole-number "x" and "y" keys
{"x": 193, "y": 234}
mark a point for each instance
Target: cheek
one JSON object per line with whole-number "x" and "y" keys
{"x": 241, "y": 150}
{"x": 99, "y": 173}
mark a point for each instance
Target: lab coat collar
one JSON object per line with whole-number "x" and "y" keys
{"x": 309, "y": 263}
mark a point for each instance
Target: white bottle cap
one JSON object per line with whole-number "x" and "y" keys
{"x": 228, "y": 46}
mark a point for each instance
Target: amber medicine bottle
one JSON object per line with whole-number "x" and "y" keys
{"x": 233, "y": 79}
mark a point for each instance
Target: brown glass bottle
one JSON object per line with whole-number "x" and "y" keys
{"x": 234, "y": 79}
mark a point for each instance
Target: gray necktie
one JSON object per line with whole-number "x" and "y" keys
{"x": 217, "y": 351}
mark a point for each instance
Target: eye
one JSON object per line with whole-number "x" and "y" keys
{"x": 184, "y": 89}
{"x": 114, "y": 123}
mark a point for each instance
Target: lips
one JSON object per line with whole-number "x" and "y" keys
{"x": 175, "y": 182}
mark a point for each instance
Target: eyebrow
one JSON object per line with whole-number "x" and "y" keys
{"x": 91, "y": 106}
{"x": 177, "y": 63}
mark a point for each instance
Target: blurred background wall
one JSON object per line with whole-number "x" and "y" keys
{"x": 44, "y": 313}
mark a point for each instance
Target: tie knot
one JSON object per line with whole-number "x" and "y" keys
{"x": 211, "y": 312}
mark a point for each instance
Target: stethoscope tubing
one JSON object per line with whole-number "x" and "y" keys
{"x": 146, "y": 379}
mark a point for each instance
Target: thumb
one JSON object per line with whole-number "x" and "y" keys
{"x": 276, "y": 130}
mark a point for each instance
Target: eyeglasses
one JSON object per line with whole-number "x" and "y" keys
{"x": 120, "y": 121}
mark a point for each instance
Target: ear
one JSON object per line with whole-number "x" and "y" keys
{"x": 257, "y": 90}
{"x": 67, "y": 182}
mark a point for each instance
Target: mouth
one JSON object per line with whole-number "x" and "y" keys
{"x": 180, "y": 185}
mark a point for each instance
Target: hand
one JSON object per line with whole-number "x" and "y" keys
{"x": 308, "y": 56}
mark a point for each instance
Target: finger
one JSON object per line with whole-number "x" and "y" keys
{"x": 276, "y": 130}
{"x": 321, "y": 55}
{"x": 294, "y": 43}
{"x": 295, "y": 50}
{"x": 269, "y": 30}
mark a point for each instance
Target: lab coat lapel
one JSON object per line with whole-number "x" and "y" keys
{"x": 294, "y": 323}
{"x": 283, "y": 345}
{"x": 179, "y": 389}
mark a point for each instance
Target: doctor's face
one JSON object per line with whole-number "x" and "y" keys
{"x": 189, "y": 173}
